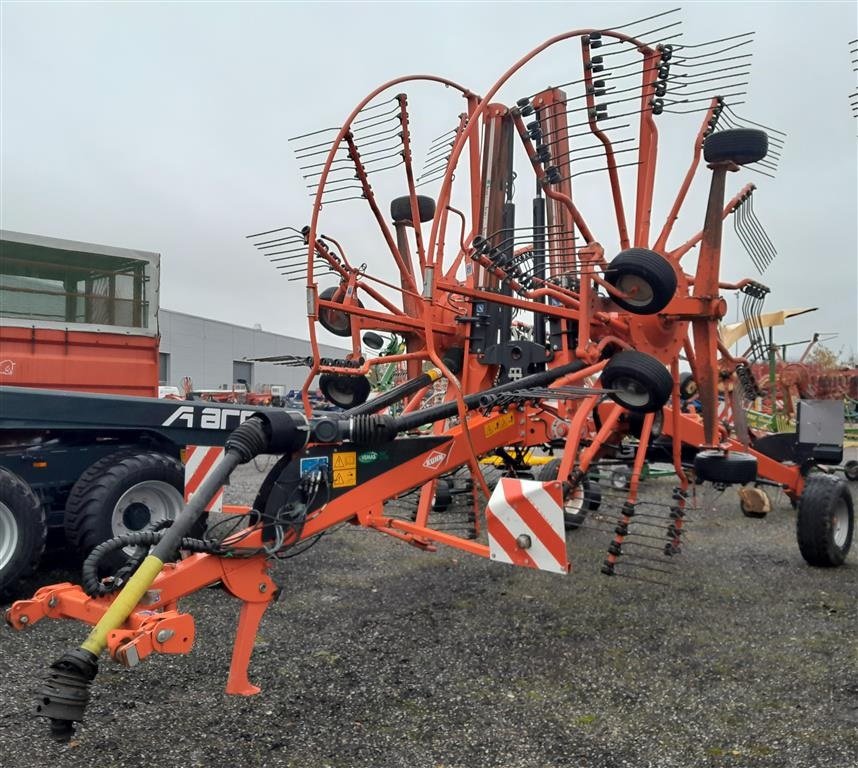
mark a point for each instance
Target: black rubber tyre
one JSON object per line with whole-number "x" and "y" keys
{"x": 22, "y": 530}
{"x": 738, "y": 145}
{"x": 635, "y": 421}
{"x": 400, "y": 208}
{"x": 578, "y": 501}
{"x": 687, "y": 386}
{"x": 734, "y": 468}
{"x": 344, "y": 391}
{"x": 123, "y": 493}
{"x": 443, "y": 497}
{"x": 492, "y": 475}
{"x": 850, "y": 469}
{"x": 621, "y": 478}
{"x": 826, "y": 521}
{"x": 644, "y": 384}
{"x": 646, "y": 273}
{"x": 338, "y": 323}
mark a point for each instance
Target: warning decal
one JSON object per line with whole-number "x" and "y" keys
{"x": 200, "y": 460}
{"x": 499, "y": 424}
{"x": 345, "y": 460}
{"x": 344, "y": 478}
{"x": 524, "y": 523}
{"x": 344, "y": 467}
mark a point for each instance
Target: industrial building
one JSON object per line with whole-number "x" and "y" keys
{"x": 213, "y": 353}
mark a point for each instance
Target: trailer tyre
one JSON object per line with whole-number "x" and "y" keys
{"x": 578, "y": 501}
{"x": 124, "y": 493}
{"x": 825, "y": 522}
{"x": 22, "y": 529}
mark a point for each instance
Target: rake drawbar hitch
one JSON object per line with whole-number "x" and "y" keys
{"x": 63, "y": 695}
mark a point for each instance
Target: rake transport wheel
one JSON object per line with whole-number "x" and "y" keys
{"x": 687, "y": 386}
{"x": 734, "y": 468}
{"x": 337, "y": 322}
{"x": 400, "y": 209}
{"x": 578, "y": 501}
{"x": 646, "y": 276}
{"x": 22, "y": 529}
{"x": 826, "y": 521}
{"x": 850, "y": 469}
{"x": 739, "y": 145}
{"x": 122, "y": 493}
{"x": 641, "y": 383}
{"x": 344, "y": 391}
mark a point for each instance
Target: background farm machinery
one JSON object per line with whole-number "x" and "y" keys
{"x": 543, "y": 334}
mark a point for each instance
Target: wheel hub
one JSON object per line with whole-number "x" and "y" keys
{"x": 144, "y": 506}
{"x": 638, "y": 291}
{"x": 631, "y": 391}
{"x": 840, "y": 524}
{"x": 8, "y": 535}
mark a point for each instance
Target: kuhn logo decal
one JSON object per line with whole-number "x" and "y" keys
{"x": 435, "y": 459}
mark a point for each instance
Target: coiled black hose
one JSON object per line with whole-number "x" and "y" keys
{"x": 94, "y": 586}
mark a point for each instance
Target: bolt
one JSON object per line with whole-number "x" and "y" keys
{"x": 52, "y": 603}
{"x": 263, "y": 587}
{"x": 523, "y": 541}
{"x": 164, "y": 635}
{"x": 24, "y": 620}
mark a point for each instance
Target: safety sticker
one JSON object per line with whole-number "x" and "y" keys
{"x": 345, "y": 478}
{"x": 499, "y": 424}
{"x": 344, "y": 460}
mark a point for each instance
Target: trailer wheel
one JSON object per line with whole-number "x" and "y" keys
{"x": 22, "y": 529}
{"x": 646, "y": 276}
{"x": 825, "y": 522}
{"x": 577, "y": 501}
{"x": 642, "y": 383}
{"x": 124, "y": 493}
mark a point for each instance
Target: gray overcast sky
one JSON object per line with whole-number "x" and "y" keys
{"x": 163, "y": 127}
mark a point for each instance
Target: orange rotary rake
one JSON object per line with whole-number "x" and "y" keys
{"x": 564, "y": 329}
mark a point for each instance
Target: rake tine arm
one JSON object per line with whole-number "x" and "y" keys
{"x": 677, "y": 253}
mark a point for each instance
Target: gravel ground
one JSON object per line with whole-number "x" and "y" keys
{"x": 378, "y": 654}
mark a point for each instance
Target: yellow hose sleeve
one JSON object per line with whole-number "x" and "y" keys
{"x": 124, "y": 604}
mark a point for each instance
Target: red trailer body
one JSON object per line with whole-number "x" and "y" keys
{"x": 77, "y": 316}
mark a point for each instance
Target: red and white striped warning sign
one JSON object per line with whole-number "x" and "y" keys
{"x": 524, "y": 523}
{"x": 199, "y": 462}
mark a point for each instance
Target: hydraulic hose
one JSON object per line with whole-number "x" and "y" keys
{"x": 445, "y": 410}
